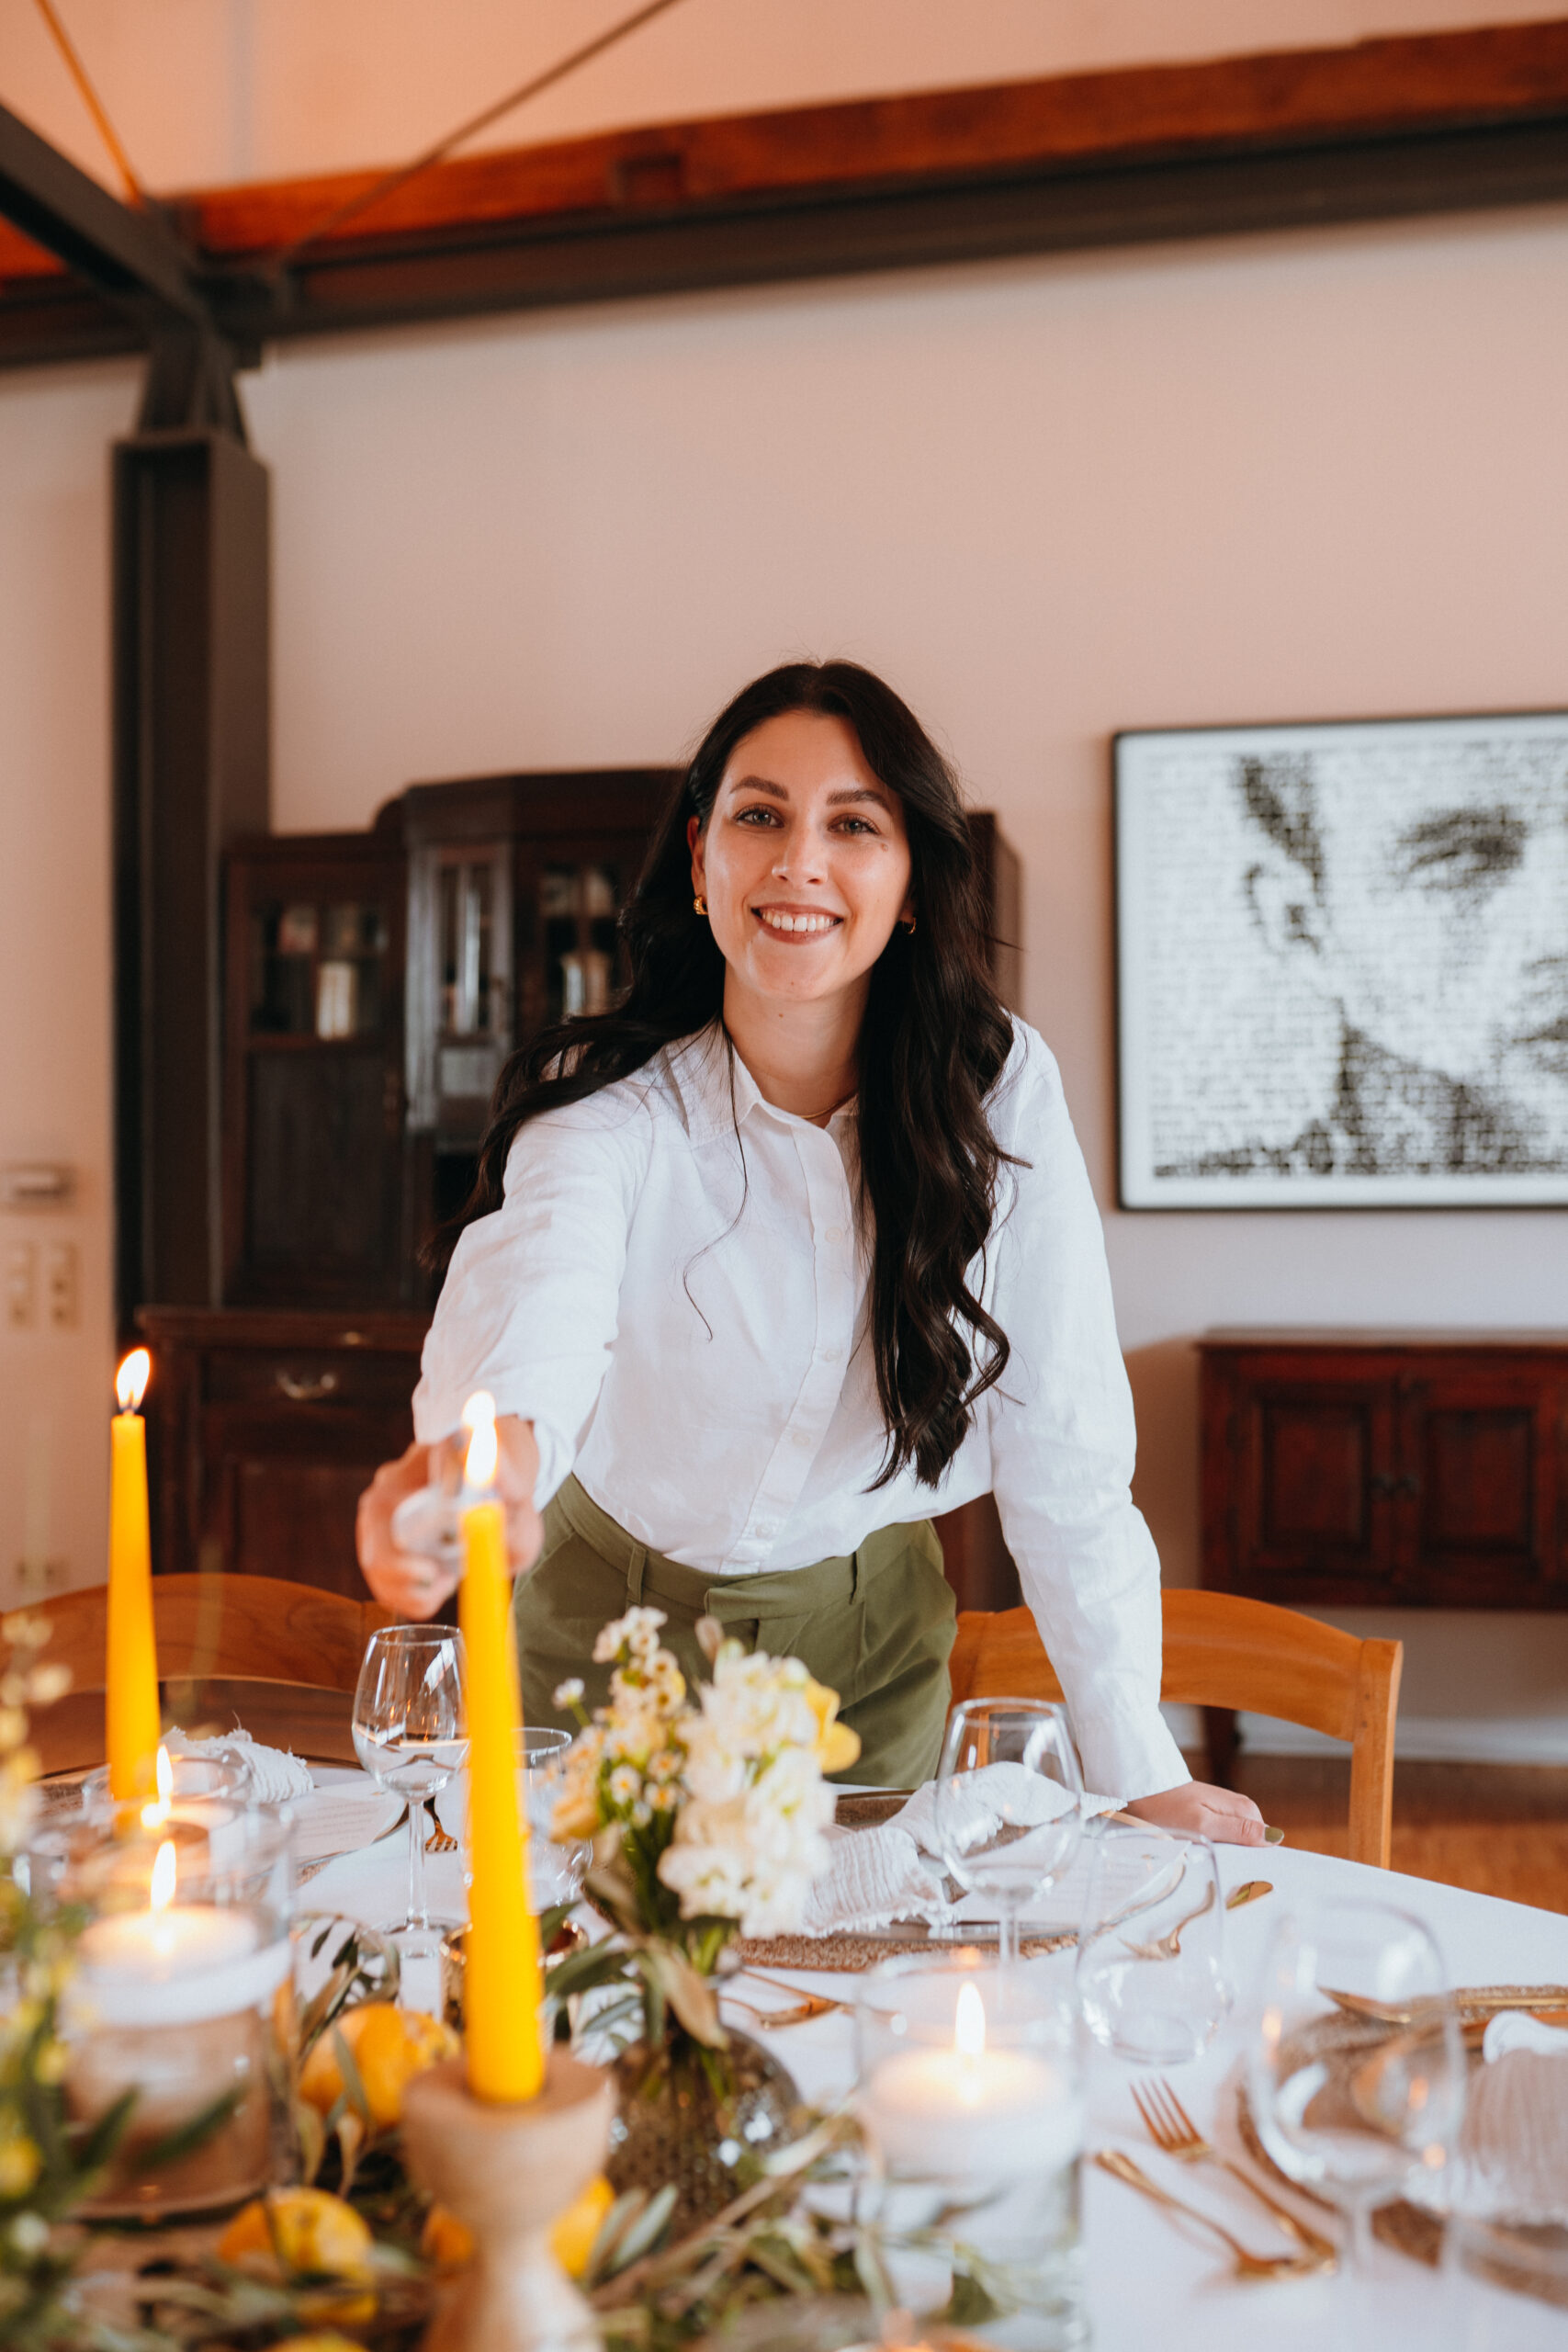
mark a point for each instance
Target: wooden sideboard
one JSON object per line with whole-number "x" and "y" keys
{"x": 265, "y": 1426}
{"x": 1410, "y": 1470}
{"x": 1419, "y": 1469}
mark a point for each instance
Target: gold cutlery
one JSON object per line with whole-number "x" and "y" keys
{"x": 1467, "y": 2001}
{"x": 808, "y": 2005}
{"x": 1167, "y": 1947}
{"x": 439, "y": 1841}
{"x": 1249, "y": 1892}
{"x": 1246, "y": 2264}
{"x": 1174, "y": 2134}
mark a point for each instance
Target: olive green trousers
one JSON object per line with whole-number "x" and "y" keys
{"x": 876, "y": 1627}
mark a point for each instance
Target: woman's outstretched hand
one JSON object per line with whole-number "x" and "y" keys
{"x": 1195, "y": 1810}
{"x": 417, "y": 1587}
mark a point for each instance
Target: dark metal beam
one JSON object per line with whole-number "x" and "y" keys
{"x": 131, "y": 257}
{"x": 920, "y": 221}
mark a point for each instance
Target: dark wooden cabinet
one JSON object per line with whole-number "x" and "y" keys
{"x": 313, "y": 1158}
{"x": 265, "y": 1428}
{"x": 1419, "y": 1471}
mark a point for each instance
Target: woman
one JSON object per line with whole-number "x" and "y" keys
{"x": 793, "y": 1247}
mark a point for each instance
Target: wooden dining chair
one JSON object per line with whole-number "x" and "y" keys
{"x": 257, "y": 1629}
{"x": 1222, "y": 1651}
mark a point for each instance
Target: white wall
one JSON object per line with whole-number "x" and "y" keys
{"x": 55, "y": 1387}
{"x": 1319, "y": 476}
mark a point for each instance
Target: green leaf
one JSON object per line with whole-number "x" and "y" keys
{"x": 187, "y": 2138}
{"x": 969, "y": 2305}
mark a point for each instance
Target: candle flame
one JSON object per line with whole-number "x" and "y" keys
{"x": 969, "y": 2023}
{"x": 165, "y": 1870}
{"x": 130, "y": 1380}
{"x": 479, "y": 1415}
{"x": 154, "y": 1815}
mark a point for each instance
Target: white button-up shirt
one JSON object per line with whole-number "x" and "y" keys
{"x": 675, "y": 1293}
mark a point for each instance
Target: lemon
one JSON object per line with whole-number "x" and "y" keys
{"x": 306, "y": 2233}
{"x": 572, "y": 2239}
{"x": 329, "y": 2341}
{"x": 388, "y": 2045}
{"x": 446, "y": 2242}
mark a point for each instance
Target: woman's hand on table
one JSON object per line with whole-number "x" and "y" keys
{"x": 406, "y": 1582}
{"x": 1196, "y": 1810}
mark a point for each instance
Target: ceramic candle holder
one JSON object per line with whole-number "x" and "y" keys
{"x": 508, "y": 2172}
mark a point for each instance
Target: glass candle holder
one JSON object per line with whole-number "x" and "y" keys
{"x": 970, "y": 2097}
{"x": 184, "y": 1780}
{"x": 181, "y": 2000}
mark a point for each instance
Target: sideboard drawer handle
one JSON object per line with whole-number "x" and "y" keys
{"x": 307, "y": 1392}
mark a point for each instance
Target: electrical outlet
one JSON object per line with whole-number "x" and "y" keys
{"x": 61, "y": 1285}
{"x": 22, "y": 1285}
{"x": 33, "y": 1579}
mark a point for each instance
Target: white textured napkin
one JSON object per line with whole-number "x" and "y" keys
{"x": 896, "y": 1873}
{"x": 1515, "y": 2148}
{"x": 275, "y": 1776}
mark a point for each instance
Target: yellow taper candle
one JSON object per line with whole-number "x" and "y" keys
{"x": 130, "y": 1677}
{"x": 503, "y": 1984}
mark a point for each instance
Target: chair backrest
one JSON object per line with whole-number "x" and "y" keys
{"x": 257, "y": 1629}
{"x": 1222, "y": 1651}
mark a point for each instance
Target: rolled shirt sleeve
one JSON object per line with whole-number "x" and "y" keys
{"x": 531, "y": 1302}
{"x": 1063, "y": 1444}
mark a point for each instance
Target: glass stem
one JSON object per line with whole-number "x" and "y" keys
{"x": 1355, "y": 2267}
{"x": 419, "y": 1906}
{"x": 1007, "y": 1935}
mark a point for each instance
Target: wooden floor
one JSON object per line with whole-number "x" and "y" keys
{"x": 1498, "y": 1828}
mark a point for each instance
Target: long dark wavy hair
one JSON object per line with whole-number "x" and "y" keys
{"x": 933, "y": 1041}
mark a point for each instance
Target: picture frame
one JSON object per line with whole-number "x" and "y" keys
{"x": 1342, "y": 964}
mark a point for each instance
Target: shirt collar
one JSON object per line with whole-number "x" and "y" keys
{"x": 717, "y": 1092}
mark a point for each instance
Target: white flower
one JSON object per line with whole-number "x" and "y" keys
{"x": 567, "y": 1694}
{"x": 637, "y": 1632}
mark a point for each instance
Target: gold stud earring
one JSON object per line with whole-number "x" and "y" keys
{"x": 700, "y": 903}
{"x": 907, "y": 923}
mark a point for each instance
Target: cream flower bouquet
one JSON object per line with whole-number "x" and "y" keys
{"x": 706, "y": 1812}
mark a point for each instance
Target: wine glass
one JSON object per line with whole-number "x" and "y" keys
{"x": 1007, "y": 1815}
{"x": 411, "y": 1734}
{"x": 1359, "y": 2096}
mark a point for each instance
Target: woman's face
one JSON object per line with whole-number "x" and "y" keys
{"x": 804, "y": 861}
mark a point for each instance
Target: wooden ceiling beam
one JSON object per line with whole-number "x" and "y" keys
{"x": 1420, "y": 123}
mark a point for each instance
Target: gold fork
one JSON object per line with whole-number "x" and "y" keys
{"x": 1248, "y": 2265}
{"x": 1167, "y": 1947}
{"x": 1174, "y": 2134}
{"x": 808, "y": 2005}
{"x": 439, "y": 1841}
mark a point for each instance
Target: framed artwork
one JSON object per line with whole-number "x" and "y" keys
{"x": 1342, "y": 965}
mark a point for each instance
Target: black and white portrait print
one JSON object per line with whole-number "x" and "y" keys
{"x": 1343, "y": 964}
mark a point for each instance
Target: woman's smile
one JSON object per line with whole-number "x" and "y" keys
{"x": 797, "y": 924}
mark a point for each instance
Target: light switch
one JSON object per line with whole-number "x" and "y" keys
{"x": 22, "y": 1285}
{"x": 61, "y": 1285}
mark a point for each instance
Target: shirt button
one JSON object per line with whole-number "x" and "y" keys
{"x": 801, "y": 1437}
{"x": 762, "y": 1530}
{"x": 832, "y": 1355}
{"x": 834, "y": 1235}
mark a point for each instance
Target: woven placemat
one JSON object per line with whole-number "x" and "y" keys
{"x": 846, "y": 1953}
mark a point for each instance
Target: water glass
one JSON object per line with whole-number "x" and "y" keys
{"x": 1355, "y": 2110}
{"x": 1151, "y": 1974}
{"x": 556, "y": 1868}
{"x": 970, "y": 2097}
{"x": 1007, "y": 1810}
{"x": 410, "y": 1734}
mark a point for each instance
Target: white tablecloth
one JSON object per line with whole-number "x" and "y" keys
{"x": 1150, "y": 2287}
